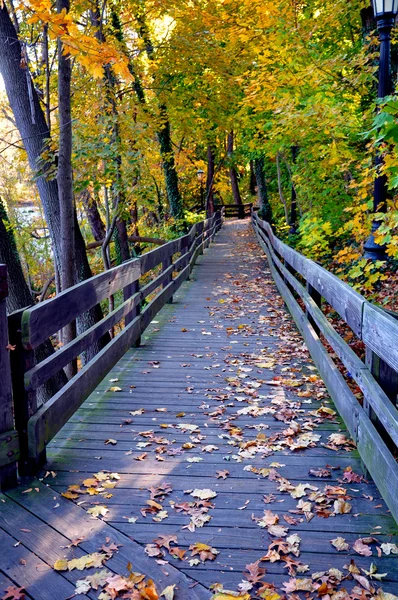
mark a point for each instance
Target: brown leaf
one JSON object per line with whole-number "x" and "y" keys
{"x": 361, "y": 548}
{"x": 254, "y": 572}
{"x": 222, "y": 474}
{"x": 14, "y": 593}
{"x": 165, "y": 541}
{"x": 205, "y": 552}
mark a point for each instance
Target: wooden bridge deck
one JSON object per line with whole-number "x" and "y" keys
{"x": 220, "y": 397}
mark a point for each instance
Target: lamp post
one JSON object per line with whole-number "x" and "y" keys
{"x": 385, "y": 12}
{"x": 201, "y": 176}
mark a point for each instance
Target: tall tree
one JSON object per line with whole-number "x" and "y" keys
{"x": 19, "y": 296}
{"x": 265, "y": 211}
{"x": 34, "y": 133}
{"x": 233, "y": 175}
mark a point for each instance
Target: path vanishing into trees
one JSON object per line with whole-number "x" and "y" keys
{"x": 216, "y": 430}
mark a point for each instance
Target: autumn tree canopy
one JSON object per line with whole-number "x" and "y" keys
{"x": 267, "y": 98}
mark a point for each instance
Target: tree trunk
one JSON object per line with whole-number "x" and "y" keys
{"x": 19, "y": 297}
{"x": 120, "y": 231}
{"x": 293, "y": 203}
{"x": 253, "y": 179}
{"x": 265, "y": 211}
{"x": 35, "y": 135}
{"x": 281, "y": 196}
{"x": 163, "y": 130}
{"x": 210, "y": 181}
{"x": 233, "y": 175}
{"x": 93, "y": 215}
{"x": 169, "y": 168}
{"x": 64, "y": 179}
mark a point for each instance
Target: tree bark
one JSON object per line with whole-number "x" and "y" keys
{"x": 19, "y": 297}
{"x": 253, "y": 179}
{"x": 35, "y": 136}
{"x": 293, "y": 203}
{"x": 233, "y": 175}
{"x": 93, "y": 215}
{"x": 265, "y": 211}
{"x": 64, "y": 179}
{"x": 120, "y": 231}
{"x": 281, "y": 196}
{"x": 210, "y": 181}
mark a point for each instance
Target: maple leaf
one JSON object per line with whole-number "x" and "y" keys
{"x": 178, "y": 552}
{"x": 320, "y": 472}
{"x": 153, "y": 550}
{"x": 160, "y": 491}
{"x": 278, "y": 530}
{"x": 341, "y": 507}
{"x": 98, "y": 511}
{"x": 205, "y": 552}
{"x": 222, "y": 474}
{"x": 116, "y": 584}
{"x": 168, "y": 592}
{"x": 254, "y": 572}
{"x": 340, "y": 544}
{"x": 389, "y": 548}
{"x": 165, "y": 541}
{"x": 14, "y": 593}
{"x": 298, "y": 585}
{"x": 269, "y": 518}
{"x": 203, "y": 494}
{"x": 110, "y": 548}
{"x": 351, "y": 477}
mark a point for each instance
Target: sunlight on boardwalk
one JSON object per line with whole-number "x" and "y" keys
{"x": 226, "y": 458}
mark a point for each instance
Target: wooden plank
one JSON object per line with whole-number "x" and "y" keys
{"x": 43, "y": 320}
{"x": 43, "y": 371}
{"x": 382, "y": 406}
{"x": 8, "y": 439}
{"x": 37, "y": 577}
{"x": 379, "y": 462}
{"x": 9, "y": 454}
{"x": 49, "y": 419}
{"x": 74, "y": 522}
{"x": 380, "y": 334}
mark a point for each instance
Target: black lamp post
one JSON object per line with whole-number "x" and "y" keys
{"x": 201, "y": 176}
{"x": 385, "y": 12}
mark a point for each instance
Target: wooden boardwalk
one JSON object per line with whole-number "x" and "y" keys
{"x": 216, "y": 430}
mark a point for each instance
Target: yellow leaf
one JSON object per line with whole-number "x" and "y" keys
{"x": 61, "y": 565}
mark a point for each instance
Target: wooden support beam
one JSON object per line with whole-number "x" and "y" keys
{"x": 8, "y": 438}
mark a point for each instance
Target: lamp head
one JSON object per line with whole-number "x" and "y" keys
{"x": 385, "y": 9}
{"x": 200, "y": 172}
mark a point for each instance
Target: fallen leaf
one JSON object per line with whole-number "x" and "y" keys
{"x": 361, "y": 548}
{"x": 340, "y": 544}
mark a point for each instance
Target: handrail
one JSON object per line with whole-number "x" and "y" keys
{"x": 39, "y": 424}
{"x": 240, "y": 211}
{"x": 374, "y": 424}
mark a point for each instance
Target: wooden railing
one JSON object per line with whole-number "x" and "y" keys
{"x": 373, "y": 420}
{"x": 231, "y": 211}
{"x": 163, "y": 269}
{"x": 238, "y": 211}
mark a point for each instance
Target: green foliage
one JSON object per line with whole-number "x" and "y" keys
{"x": 315, "y": 237}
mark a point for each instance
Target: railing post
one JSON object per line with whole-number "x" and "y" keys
{"x": 129, "y": 291}
{"x": 317, "y": 298}
{"x": 25, "y": 402}
{"x": 166, "y": 263}
{"x": 241, "y": 209}
{"x": 8, "y": 465}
